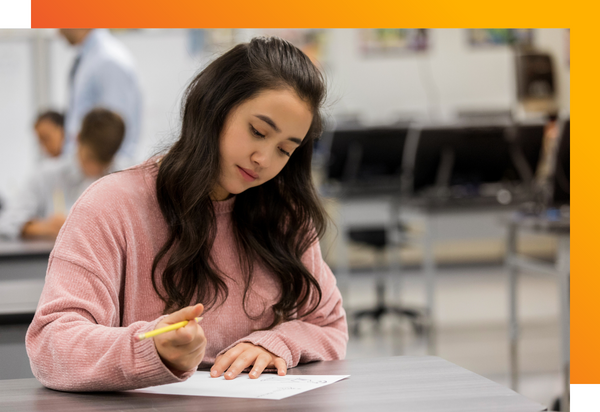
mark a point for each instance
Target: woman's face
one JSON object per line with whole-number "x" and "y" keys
{"x": 258, "y": 138}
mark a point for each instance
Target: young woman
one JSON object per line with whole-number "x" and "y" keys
{"x": 224, "y": 225}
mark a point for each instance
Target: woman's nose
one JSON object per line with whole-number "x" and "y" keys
{"x": 261, "y": 158}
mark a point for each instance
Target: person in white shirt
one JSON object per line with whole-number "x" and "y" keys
{"x": 40, "y": 209}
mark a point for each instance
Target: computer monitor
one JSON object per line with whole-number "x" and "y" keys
{"x": 366, "y": 155}
{"x": 470, "y": 157}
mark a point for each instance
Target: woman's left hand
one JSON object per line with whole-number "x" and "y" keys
{"x": 242, "y": 356}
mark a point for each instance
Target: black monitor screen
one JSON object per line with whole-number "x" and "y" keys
{"x": 471, "y": 156}
{"x": 366, "y": 154}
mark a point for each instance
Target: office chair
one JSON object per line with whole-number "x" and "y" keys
{"x": 364, "y": 162}
{"x": 378, "y": 238}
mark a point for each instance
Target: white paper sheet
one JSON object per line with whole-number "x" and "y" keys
{"x": 267, "y": 386}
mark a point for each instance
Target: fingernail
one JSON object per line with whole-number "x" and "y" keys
{"x": 229, "y": 374}
{"x": 213, "y": 372}
{"x": 254, "y": 373}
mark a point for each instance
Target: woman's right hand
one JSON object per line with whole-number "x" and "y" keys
{"x": 182, "y": 349}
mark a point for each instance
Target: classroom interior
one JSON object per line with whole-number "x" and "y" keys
{"x": 406, "y": 233}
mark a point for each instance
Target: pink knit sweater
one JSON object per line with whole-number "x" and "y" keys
{"x": 98, "y": 295}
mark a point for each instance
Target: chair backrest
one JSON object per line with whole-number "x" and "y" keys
{"x": 363, "y": 155}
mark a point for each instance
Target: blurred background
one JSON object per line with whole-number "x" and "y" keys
{"x": 444, "y": 168}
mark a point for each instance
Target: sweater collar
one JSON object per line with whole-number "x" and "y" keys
{"x": 224, "y": 206}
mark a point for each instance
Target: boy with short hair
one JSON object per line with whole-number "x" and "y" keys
{"x": 41, "y": 208}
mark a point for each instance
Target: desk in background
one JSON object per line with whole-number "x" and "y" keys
{"x": 403, "y": 383}
{"x": 23, "y": 267}
{"x": 436, "y": 222}
{"x": 472, "y": 172}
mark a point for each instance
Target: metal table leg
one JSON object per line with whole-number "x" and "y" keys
{"x": 513, "y": 326}
{"x": 563, "y": 269}
{"x": 429, "y": 269}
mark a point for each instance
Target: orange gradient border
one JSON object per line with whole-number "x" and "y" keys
{"x": 299, "y": 13}
{"x": 585, "y": 286}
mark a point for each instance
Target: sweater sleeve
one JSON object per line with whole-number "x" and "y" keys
{"x": 75, "y": 341}
{"x": 320, "y": 336}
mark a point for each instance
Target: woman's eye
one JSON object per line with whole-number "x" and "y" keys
{"x": 288, "y": 154}
{"x": 256, "y": 132}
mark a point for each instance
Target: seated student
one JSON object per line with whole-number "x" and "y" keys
{"x": 227, "y": 220}
{"x": 42, "y": 205}
{"x": 543, "y": 175}
{"x": 50, "y": 131}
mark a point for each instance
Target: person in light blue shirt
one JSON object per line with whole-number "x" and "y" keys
{"x": 102, "y": 75}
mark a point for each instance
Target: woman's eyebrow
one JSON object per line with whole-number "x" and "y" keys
{"x": 268, "y": 121}
{"x": 271, "y": 123}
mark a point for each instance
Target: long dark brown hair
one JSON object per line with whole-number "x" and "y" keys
{"x": 274, "y": 223}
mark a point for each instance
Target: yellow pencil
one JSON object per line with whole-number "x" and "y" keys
{"x": 160, "y": 331}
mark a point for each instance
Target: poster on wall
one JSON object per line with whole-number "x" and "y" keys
{"x": 392, "y": 42}
{"x": 500, "y": 37}
{"x": 210, "y": 40}
{"x": 313, "y": 42}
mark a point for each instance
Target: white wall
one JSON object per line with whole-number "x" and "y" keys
{"x": 18, "y": 149}
{"x": 449, "y": 77}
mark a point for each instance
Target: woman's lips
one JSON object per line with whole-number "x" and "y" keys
{"x": 248, "y": 175}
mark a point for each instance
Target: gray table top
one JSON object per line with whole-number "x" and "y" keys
{"x": 12, "y": 248}
{"x": 541, "y": 224}
{"x": 402, "y": 383}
